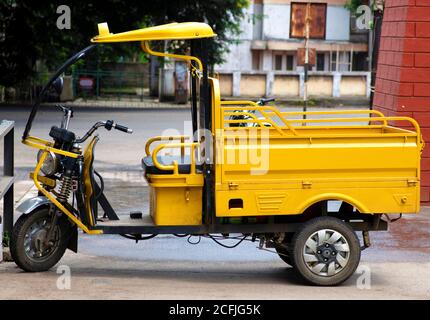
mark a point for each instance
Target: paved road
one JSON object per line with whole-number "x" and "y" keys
{"x": 170, "y": 267}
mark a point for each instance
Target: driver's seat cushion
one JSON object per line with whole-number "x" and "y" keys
{"x": 184, "y": 164}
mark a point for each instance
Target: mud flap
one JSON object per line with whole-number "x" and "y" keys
{"x": 73, "y": 241}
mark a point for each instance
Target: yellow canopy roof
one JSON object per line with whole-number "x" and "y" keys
{"x": 171, "y": 31}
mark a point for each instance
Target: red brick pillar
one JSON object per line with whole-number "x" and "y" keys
{"x": 402, "y": 84}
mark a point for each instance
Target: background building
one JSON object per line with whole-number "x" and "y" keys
{"x": 264, "y": 60}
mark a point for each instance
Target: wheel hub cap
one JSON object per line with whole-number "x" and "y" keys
{"x": 35, "y": 241}
{"x": 326, "y": 252}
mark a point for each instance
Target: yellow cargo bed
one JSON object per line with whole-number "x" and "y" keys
{"x": 270, "y": 162}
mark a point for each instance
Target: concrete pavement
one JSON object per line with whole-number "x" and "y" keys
{"x": 98, "y": 277}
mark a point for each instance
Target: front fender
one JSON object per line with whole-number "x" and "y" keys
{"x": 31, "y": 204}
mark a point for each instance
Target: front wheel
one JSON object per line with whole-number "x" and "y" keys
{"x": 28, "y": 247}
{"x": 326, "y": 251}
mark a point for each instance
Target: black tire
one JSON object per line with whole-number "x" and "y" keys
{"x": 283, "y": 251}
{"x": 18, "y": 246}
{"x": 348, "y": 255}
{"x": 284, "y": 254}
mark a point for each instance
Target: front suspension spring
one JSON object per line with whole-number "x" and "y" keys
{"x": 65, "y": 189}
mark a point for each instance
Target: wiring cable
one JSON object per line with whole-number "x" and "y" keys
{"x": 137, "y": 237}
{"x": 225, "y": 246}
{"x": 215, "y": 238}
{"x": 190, "y": 242}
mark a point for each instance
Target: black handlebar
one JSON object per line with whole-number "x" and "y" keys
{"x": 264, "y": 101}
{"x": 109, "y": 124}
{"x": 123, "y": 128}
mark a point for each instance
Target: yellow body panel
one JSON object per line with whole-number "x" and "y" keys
{"x": 171, "y": 31}
{"x": 281, "y": 164}
{"x": 374, "y": 166}
{"x": 86, "y": 176}
{"x": 176, "y": 200}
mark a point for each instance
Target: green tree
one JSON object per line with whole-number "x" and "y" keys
{"x": 352, "y": 5}
{"x": 28, "y": 31}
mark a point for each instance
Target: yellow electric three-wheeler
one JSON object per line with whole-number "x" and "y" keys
{"x": 300, "y": 183}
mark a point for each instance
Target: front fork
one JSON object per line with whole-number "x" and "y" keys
{"x": 54, "y": 212}
{"x": 62, "y": 206}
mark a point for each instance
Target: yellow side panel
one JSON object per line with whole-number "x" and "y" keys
{"x": 176, "y": 206}
{"x": 176, "y": 200}
{"x": 285, "y": 159}
{"x": 88, "y": 158}
{"x": 281, "y": 168}
{"x": 284, "y": 175}
{"x": 295, "y": 201}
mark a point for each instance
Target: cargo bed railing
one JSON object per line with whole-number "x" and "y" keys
{"x": 268, "y": 113}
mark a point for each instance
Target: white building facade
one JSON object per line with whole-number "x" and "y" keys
{"x": 267, "y": 51}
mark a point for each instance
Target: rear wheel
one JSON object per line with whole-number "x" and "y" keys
{"x": 326, "y": 251}
{"x": 284, "y": 255}
{"x": 28, "y": 247}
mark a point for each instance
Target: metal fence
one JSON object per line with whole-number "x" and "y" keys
{"x": 25, "y": 91}
{"x": 122, "y": 84}
{"x": 7, "y": 180}
{"x": 118, "y": 85}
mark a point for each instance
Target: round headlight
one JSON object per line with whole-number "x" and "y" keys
{"x": 49, "y": 166}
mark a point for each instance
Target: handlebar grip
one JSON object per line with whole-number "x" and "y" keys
{"x": 263, "y": 101}
{"x": 122, "y": 128}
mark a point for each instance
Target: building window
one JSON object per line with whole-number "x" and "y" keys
{"x": 344, "y": 61}
{"x": 315, "y": 13}
{"x": 277, "y": 64}
{"x": 290, "y": 62}
{"x": 282, "y": 62}
{"x": 360, "y": 61}
{"x": 320, "y": 62}
{"x": 333, "y": 61}
{"x": 340, "y": 61}
{"x": 255, "y": 60}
